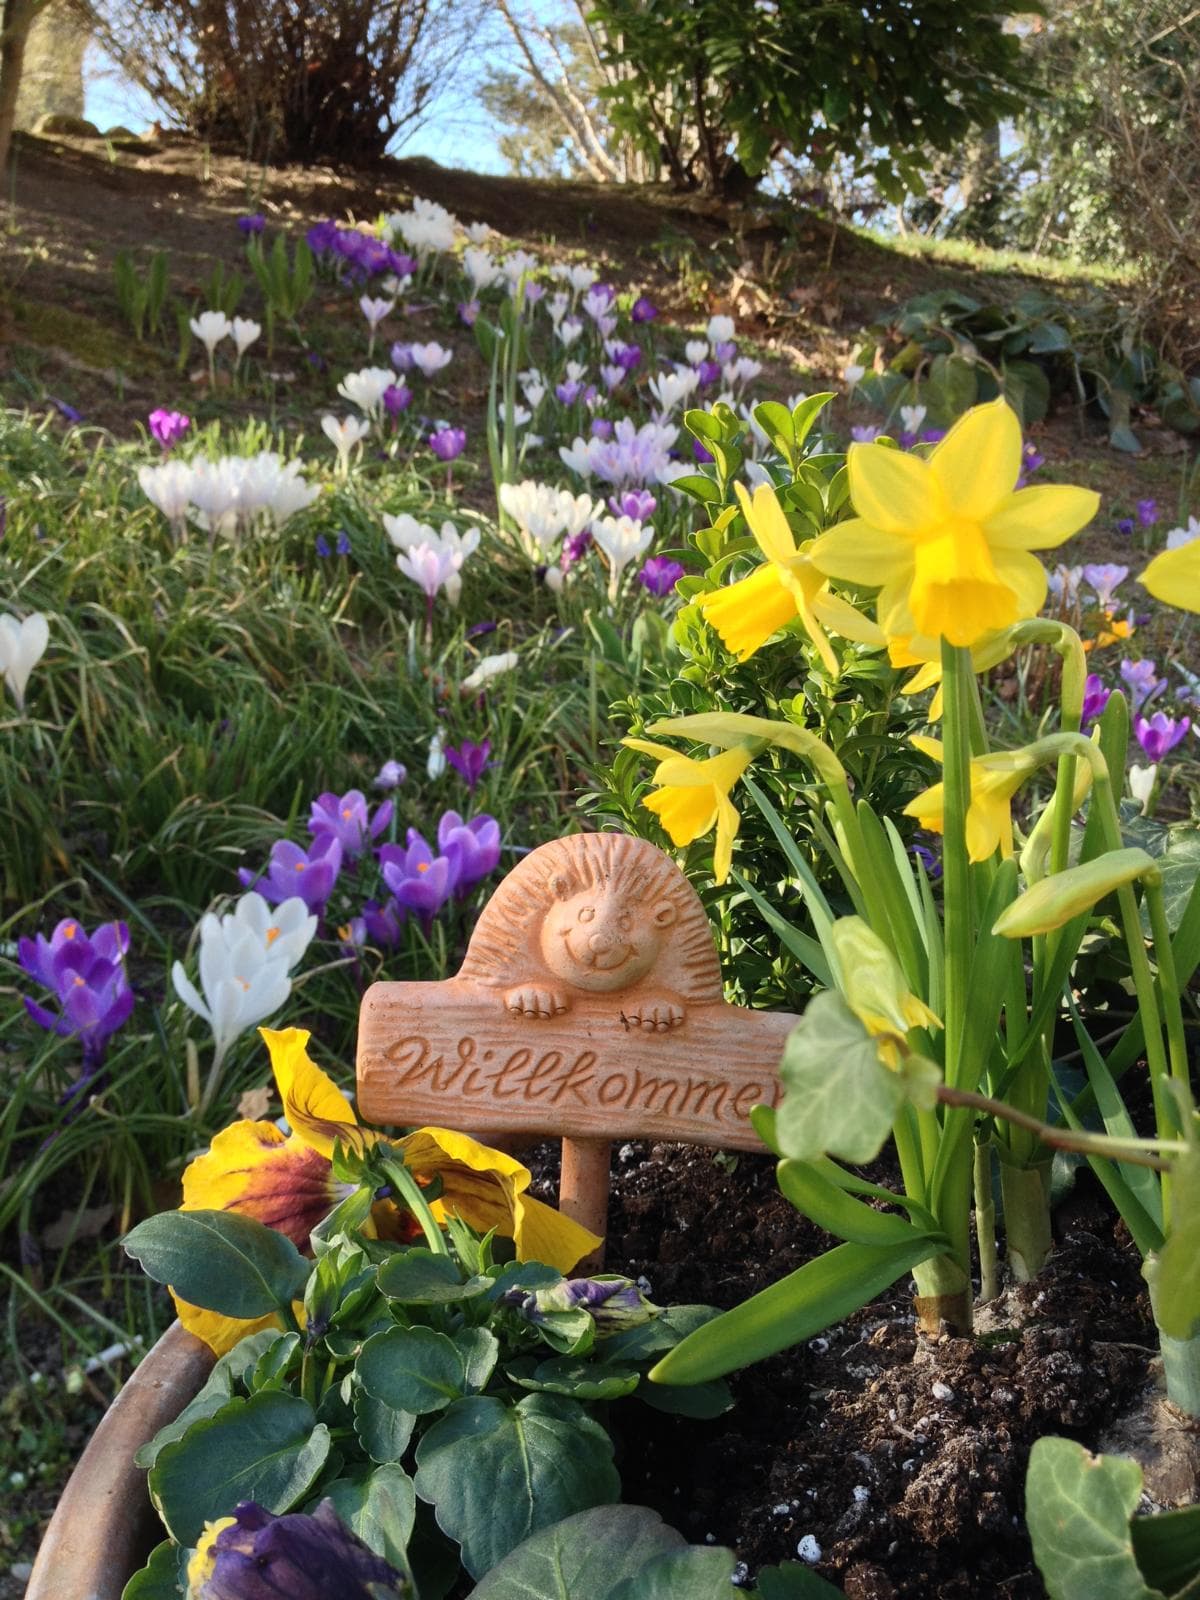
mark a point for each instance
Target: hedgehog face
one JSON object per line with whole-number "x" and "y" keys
{"x": 599, "y": 941}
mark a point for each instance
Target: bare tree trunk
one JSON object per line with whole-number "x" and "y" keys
{"x": 18, "y": 18}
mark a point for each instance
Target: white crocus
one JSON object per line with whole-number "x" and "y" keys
{"x": 169, "y": 487}
{"x": 912, "y": 417}
{"x": 622, "y": 540}
{"x": 366, "y": 388}
{"x": 244, "y": 962}
{"x": 741, "y": 371}
{"x": 720, "y": 330}
{"x": 210, "y": 327}
{"x": 22, "y": 646}
{"x": 853, "y": 373}
{"x": 1178, "y": 537}
{"x": 435, "y": 763}
{"x": 558, "y": 305}
{"x": 696, "y": 351}
{"x": 478, "y": 232}
{"x": 344, "y": 436}
{"x": 409, "y": 535}
{"x": 669, "y": 388}
{"x": 535, "y": 509}
{"x": 430, "y": 358}
{"x": 216, "y": 494}
{"x": 481, "y": 270}
{"x": 245, "y": 331}
{"x": 488, "y": 668}
{"x": 374, "y": 310}
{"x": 430, "y": 566}
{"x": 1141, "y": 784}
{"x": 568, "y": 331}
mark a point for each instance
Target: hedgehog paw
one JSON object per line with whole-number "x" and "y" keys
{"x": 534, "y": 1003}
{"x": 657, "y": 1016}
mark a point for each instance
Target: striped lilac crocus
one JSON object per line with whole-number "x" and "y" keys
{"x": 347, "y": 817}
{"x": 310, "y": 874}
{"x": 87, "y": 977}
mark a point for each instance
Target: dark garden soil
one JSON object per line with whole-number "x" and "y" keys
{"x": 897, "y": 1466}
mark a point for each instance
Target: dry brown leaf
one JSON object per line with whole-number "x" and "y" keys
{"x": 254, "y": 1103}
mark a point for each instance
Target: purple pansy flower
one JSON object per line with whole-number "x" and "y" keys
{"x": 929, "y": 859}
{"x": 347, "y": 817}
{"x": 447, "y": 443}
{"x": 473, "y": 846}
{"x": 260, "y": 1556}
{"x": 470, "y": 760}
{"x": 168, "y": 427}
{"x": 1160, "y": 733}
{"x": 420, "y": 881}
{"x": 1095, "y": 698}
{"x": 644, "y": 310}
{"x": 310, "y": 873}
{"x": 87, "y": 977}
{"x": 255, "y": 222}
{"x": 660, "y": 575}
{"x": 612, "y": 1303}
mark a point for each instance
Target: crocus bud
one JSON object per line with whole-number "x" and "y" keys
{"x": 1055, "y": 900}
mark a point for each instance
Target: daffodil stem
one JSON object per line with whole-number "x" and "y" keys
{"x": 956, "y": 880}
{"x": 409, "y": 1190}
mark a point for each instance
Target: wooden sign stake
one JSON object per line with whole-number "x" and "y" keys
{"x": 589, "y": 1008}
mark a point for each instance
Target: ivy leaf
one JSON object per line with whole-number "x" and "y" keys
{"x": 1078, "y": 1507}
{"x": 269, "y": 1449}
{"x": 220, "y": 1260}
{"x": 496, "y": 1473}
{"x": 841, "y": 1100}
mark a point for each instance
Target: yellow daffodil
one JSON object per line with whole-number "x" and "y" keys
{"x": 286, "y": 1180}
{"x": 948, "y": 538}
{"x": 693, "y": 795}
{"x": 748, "y": 612}
{"x": 875, "y": 989}
{"x": 1174, "y": 576}
{"x": 925, "y": 654}
{"x": 994, "y": 781}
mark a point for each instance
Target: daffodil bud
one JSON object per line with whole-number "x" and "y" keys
{"x": 873, "y": 984}
{"x": 1056, "y": 900}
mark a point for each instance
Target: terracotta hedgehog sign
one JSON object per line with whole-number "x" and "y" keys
{"x": 589, "y": 1007}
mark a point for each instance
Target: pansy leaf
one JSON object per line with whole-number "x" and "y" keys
{"x": 220, "y": 1260}
{"x": 480, "y": 1350}
{"x": 700, "y": 1401}
{"x": 583, "y": 1557}
{"x": 496, "y": 1473}
{"x": 380, "y": 1508}
{"x": 164, "y": 1577}
{"x": 420, "y": 1278}
{"x": 384, "y": 1431}
{"x": 582, "y": 1380}
{"x": 412, "y": 1369}
{"x": 269, "y": 1449}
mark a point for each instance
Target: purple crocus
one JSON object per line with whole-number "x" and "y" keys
{"x": 87, "y": 977}
{"x": 1142, "y": 680}
{"x": 1105, "y": 579}
{"x": 448, "y": 443}
{"x": 575, "y": 547}
{"x": 470, "y": 760}
{"x": 929, "y": 859}
{"x": 310, "y": 873}
{"x": 627, "y": 356}
{"x": 702, "y": 455}
{"x": 347, "y": 816}
{"x": 401, "y": 356}
{"x": 383, "y": 924}
{"x": 1095, "y": 698}
{"x": 255, "y": 222}
{"x": 639, "y": 504}
{"x": 660, "y": 575}
{"x": 391, "y": 775}
{"x": 321, "y": 237}
{"x": 725, "y": 350}
{"x": 1125, "y": 525}
{"x": 66, "y": 412}
{"x": 709, "y": 373}
{"x": 1031, "y": 457}
{"x": 420, "y": 881}
{"x": 473, "y": 847}
{"x": 1160, "y": 733}
{"x": 468, "y": 311}
{"x": 1147, "y": 513}
{"x": 260, "y": 1556}
{"x": 865, "y": 433}
{"x": 397, "y": 397}
{"x": 569, "y": 391}
{"x": 601, "y": 428}
{"x": 401, "y": 264}
{"x": 932, "y": 435}
{"x": 168, "y": 427}
{"x": 644, "y": 310}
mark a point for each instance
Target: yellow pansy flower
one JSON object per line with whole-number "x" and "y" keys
{"x": 748, "y": 612}
{"x": 286, "y": 1180}
{"x": 693, "y": 795}
{"x": 994, "y": 781}
{"x": 948, "y": 537}
{"x": 875, "y": 989}
{"x": 1174, "y": 576}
